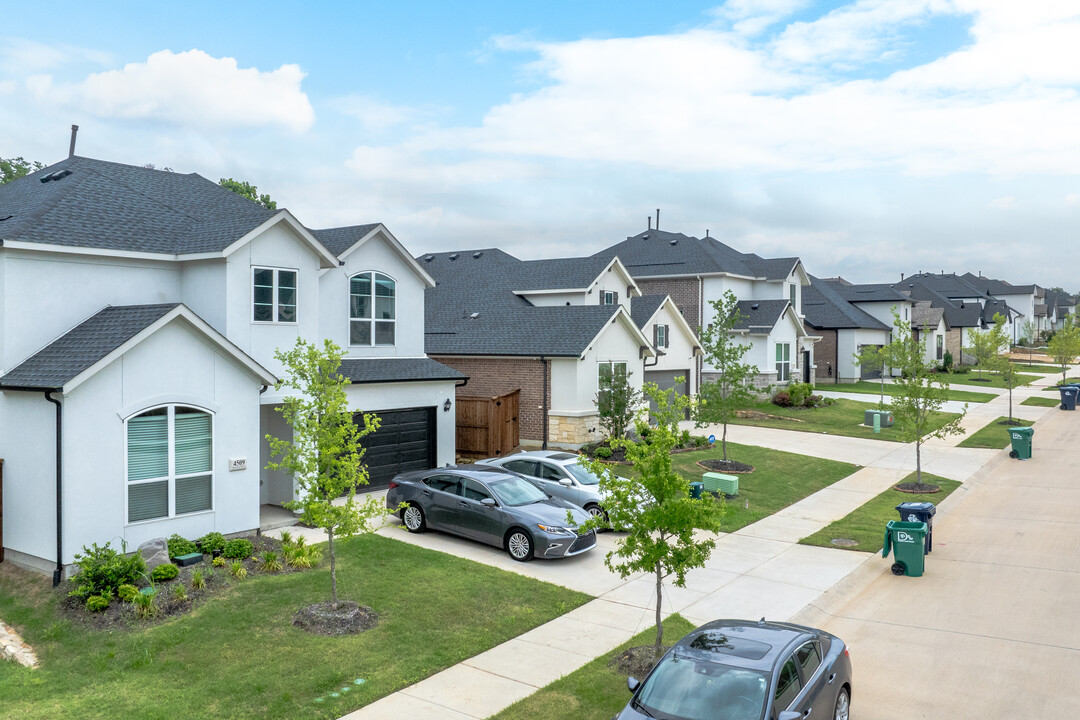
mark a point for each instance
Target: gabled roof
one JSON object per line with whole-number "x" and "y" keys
{"x": 824, "y": 308}
{"x": 998, "y": 287}
{"x": 658, "y": 253}
{"x": 923, "y": 314}
{"x": 343, "y": 241}
{"x": 559, "y": 273}
{"x": 643, "y": 308}
{"x": 96, "y": 341}
{"x": 759, "y": 317}
{"x": 957, "y": 314}
{"x": 949, "y": 285}
{"x": 1040, "y": 310}
{"x": 1060, "y": 299}
{"x": 865, "y": 292}
{"x": 387, "y": 370}
{"x": 473, "y": 310}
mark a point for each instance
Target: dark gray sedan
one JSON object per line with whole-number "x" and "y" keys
{"x": 743, "y": 670}
{"x": 493, "y": 506}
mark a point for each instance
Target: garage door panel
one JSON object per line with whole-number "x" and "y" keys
{"x": 666, "y": 380}
{"x": 405, "y": 441}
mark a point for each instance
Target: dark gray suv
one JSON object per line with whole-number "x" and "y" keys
{"x": 744, "y": 670}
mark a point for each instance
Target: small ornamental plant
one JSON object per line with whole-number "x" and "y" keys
{"x": 238, "y": 549}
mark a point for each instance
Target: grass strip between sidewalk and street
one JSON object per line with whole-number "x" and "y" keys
{"x": 1036, "y": 401}
{"x": 994, "y": 435}
{"x": 866, "y": 525}
{"x": 596, "y": 691}
{"x": 867, "y": 387}
{"x": 1067, "y": 381}
{"x": 989, "y": 379}
{"x": 238, "y": 655}
{"x": 1041, "y": 368}
{"x": 845, "y": 418}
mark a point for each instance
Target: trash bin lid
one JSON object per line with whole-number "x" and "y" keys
{"x": 1022, "y": 430}
{"x": 927, "y": 508}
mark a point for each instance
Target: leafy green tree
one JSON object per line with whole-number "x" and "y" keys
{"x": 918, "y": 393}
{"x": 246, "y": 189}
{"x": 988, "y": 344}
{"x": 1010, "y": 375}
{"x": 324, "y": 454}
{"x": 16, "y": 167}
{"x": 876, "y": 358}
{"x": 618, "y": 401}
{"x": 730, "y": 389}
{"x": 654, "y": 505}
{"x": 1064, "y": 347}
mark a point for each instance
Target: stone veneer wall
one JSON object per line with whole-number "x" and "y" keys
{"x": 573, "y": 432}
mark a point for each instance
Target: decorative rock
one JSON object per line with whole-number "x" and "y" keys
{"x": 155, "y": 552}
{"x": 12, "y": 647}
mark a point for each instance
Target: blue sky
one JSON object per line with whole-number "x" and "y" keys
{"x": 869, "y": 138}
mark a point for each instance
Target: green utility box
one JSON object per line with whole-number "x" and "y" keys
{"x": 1021, "y": 442}
{"x": 719, "y": 483}
{"x": 885, "y": 415}
{"x": 907, "y": 540}
{"x": 695, "y": 490}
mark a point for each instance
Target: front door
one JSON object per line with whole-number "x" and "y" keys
{"x": 806, "y": 366}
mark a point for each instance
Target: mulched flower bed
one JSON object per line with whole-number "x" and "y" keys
{"x": 917, "y": 489}
{"x": 637, "y": 661}
{"x": 726, "y": 466}
{"x": 347, "y": 618}
{"x": 618, "y": 455}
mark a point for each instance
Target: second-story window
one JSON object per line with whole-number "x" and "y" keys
{"x": 608, "y": 297}
{"x": 273, "y": 295}
{"x": 660, "y": 336}
{"x": 791, "y": 296}
{"x": 372, "y": 309}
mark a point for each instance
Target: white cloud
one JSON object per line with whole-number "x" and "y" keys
{"x": 19, "y": 56}
{"x": 190, "y": 88}
{"x": 1003, "y": 203}
{"x": 753, "y": 17}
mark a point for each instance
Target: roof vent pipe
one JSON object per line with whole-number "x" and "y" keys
{"x": 901, "y": 277}
{"x": 71, "y": 147}
{"x": 706, "y": 233}
{"x": 650, "y": 222}
{"x": 657, "y": 218}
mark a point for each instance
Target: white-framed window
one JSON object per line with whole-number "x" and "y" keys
{"x": 372, "y": 309}
{"x": 607, "y": 375}
{"x": 660, "y": 336}
{"x": 609, "y": 297}
{"x": 783, "y": 362}
{"x": 791, "y": 296}
{"x": 940, "y": 347}
{"x": 170, "y": 463}
{"x": 273, "y": 295}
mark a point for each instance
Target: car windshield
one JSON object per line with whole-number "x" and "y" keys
{"x": 583, "y": 476}
{"x": 684, "y": 689}
{"x": 515, "y": 491}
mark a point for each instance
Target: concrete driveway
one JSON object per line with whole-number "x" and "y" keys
{"x": 991, "y": 630}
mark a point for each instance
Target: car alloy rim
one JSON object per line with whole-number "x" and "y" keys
{"x": 519, "y": 545}
{"x": 595, "y": 511}
{"x": 842, "y": 707}
{"x": 412, "y": 517}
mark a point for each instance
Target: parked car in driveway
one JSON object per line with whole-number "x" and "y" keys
{"x": 492, "y": 506}
{"x": 557, "y": 473}
{"x": 745, "y": 670}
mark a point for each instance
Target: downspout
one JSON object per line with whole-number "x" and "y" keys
{"x": 544, "y": 402}
{"x": 59, "y": 571}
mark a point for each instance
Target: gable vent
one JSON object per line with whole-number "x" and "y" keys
{"x": 429, "y": 258}
{"x": 477, "y": 254}
{"x": 455, "y": 256}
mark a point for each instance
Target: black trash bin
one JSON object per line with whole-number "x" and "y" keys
{"x": 920, "y": 512}
{"x": 1068, "y": 396}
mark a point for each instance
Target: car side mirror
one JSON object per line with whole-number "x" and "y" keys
{"x": 488, "y": 502}
{"x": 566, "y": 482}
{"x": 789, "y": 715}
{"x": 632, "y": 683}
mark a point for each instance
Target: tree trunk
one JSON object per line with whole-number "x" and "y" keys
{"x": 723, "y": 441}
{"x": 1010, "y": 403}
{"x": 659, "y": 624}
{"x": 333, "y": 570}
{"x": 918, "y": 462}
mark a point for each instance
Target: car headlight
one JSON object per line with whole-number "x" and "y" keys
{"x": 558, "y": 530}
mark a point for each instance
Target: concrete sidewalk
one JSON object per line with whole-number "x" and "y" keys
{"x": 990, "y": 630}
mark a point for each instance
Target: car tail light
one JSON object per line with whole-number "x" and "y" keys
{"x": 392, "y": 485}
{"x": 846, "y": 653}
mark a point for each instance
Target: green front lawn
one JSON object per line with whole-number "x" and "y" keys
{"x": 995, "y": 435}
{"x": 1043, "y": 368}
{"x": 1067, "y": 381}
{"x": 866, "y": 525}
{"x": 872, "y": 388}
{"x": 843, "y": 418}
{"x": 989, "y": 379}
{"x": 239, "y": 656}
{"x": 595, "y": 691}
{"x": 779, "y": 479}
{"x": 1037, "y": 401}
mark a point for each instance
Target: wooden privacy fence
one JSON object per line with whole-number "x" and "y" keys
{"x": 487, "y": 426}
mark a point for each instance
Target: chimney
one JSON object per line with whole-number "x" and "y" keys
{"x": 71, "y": 148}
{"x": 657, "y": 218}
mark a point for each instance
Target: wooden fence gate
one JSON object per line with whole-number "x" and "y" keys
{"x": 487, "y": 426}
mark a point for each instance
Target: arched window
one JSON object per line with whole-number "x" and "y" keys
{"x": 170, "y": 460}
{"x": 372, "y": 309}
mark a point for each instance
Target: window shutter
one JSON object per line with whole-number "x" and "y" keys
{"x": 656, "y": 335}
{"x": 667, "y": 336}
{"x": 614, "y": 298}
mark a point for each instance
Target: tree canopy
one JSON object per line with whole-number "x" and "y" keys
{"x": 246, "y": 189}
{"x": 17, "y": 167}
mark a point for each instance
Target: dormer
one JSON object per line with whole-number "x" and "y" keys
{"x": 576, "y": 281}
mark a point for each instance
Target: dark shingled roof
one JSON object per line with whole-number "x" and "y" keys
{"x": 998, "y": 287}
{"x": 825, "y": 309}
{"x": 866, "y": 292}
{"x": 1060, "y": 299}
{"x": 957, "y": 314}
{"x": 923, "y": 314}
{"x": 657, "y": 253}
{"x": 338, "y": 240}
{"x": 472, "y": 310}
{"x": 82, "y": 346}
{"x": 643, "y": 308}
{"x": 950, "y": 285}
{"x": 387, "y": 370}
{"x": 559, "y": 273}
{"x": 757, "y": 316}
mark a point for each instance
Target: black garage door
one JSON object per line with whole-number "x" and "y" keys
{"x": 665, "y": 379}
{"x": 404, "y": 441}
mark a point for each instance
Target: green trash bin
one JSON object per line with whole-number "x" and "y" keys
{"x": 907, "y": 540}
{"x": 1021, "y": 442}
{"x": 695, "y": 490}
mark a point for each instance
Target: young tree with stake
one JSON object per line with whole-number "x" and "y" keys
{"x": 324, "y": 454}
{"x": 875, "y": 357}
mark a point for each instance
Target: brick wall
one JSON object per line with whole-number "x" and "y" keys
{"x": 498, "y": 376}
{"x": 683, "y": 292}
{"x": 825, "y": 355}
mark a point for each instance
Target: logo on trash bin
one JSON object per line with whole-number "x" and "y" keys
{"x": 913, "y": 518}
{"x": 1017, "y": 436}
{"x": 904, "y": 537}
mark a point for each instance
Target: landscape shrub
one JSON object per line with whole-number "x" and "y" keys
{"x": 102, "y": 569}
{"x": 144, "y": 604}
{"x": 127, "y": 592}
{"x": 271, "y": 562}
{"x": 219, "y": 562}
{"x": 947, "y": 361}
{"x": 97, "y": 603}
{"x": 685, "y": 437}
{"x": 211, "y": 542}
{"x": 238, "y": 570}
{"x": 238, "y": 549}
{"x": 165, "y": 572}
{"x": 198, "y": 580}
{"x": 961, "y": 369}
{"x": 603, "y": 452}
{"x": 180, "y": 592}
{"x": 700, "y": 441}
{"x": 180, "y": 546}
{"x": 814, "y": 401}
{"x": 782, "y": 398}
{"x": 799, "y": 392}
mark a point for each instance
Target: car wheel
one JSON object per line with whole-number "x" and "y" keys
{"x": 596, "y": 511}
{"x": 519, "y": 546}
{"x": 843, "y": 706}
{"x": 414, "y": 519}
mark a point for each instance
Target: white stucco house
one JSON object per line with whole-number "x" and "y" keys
{"x": 554, "y": 331}
{"x": 844, "y": 328}
{"x": 139, "y": 315}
